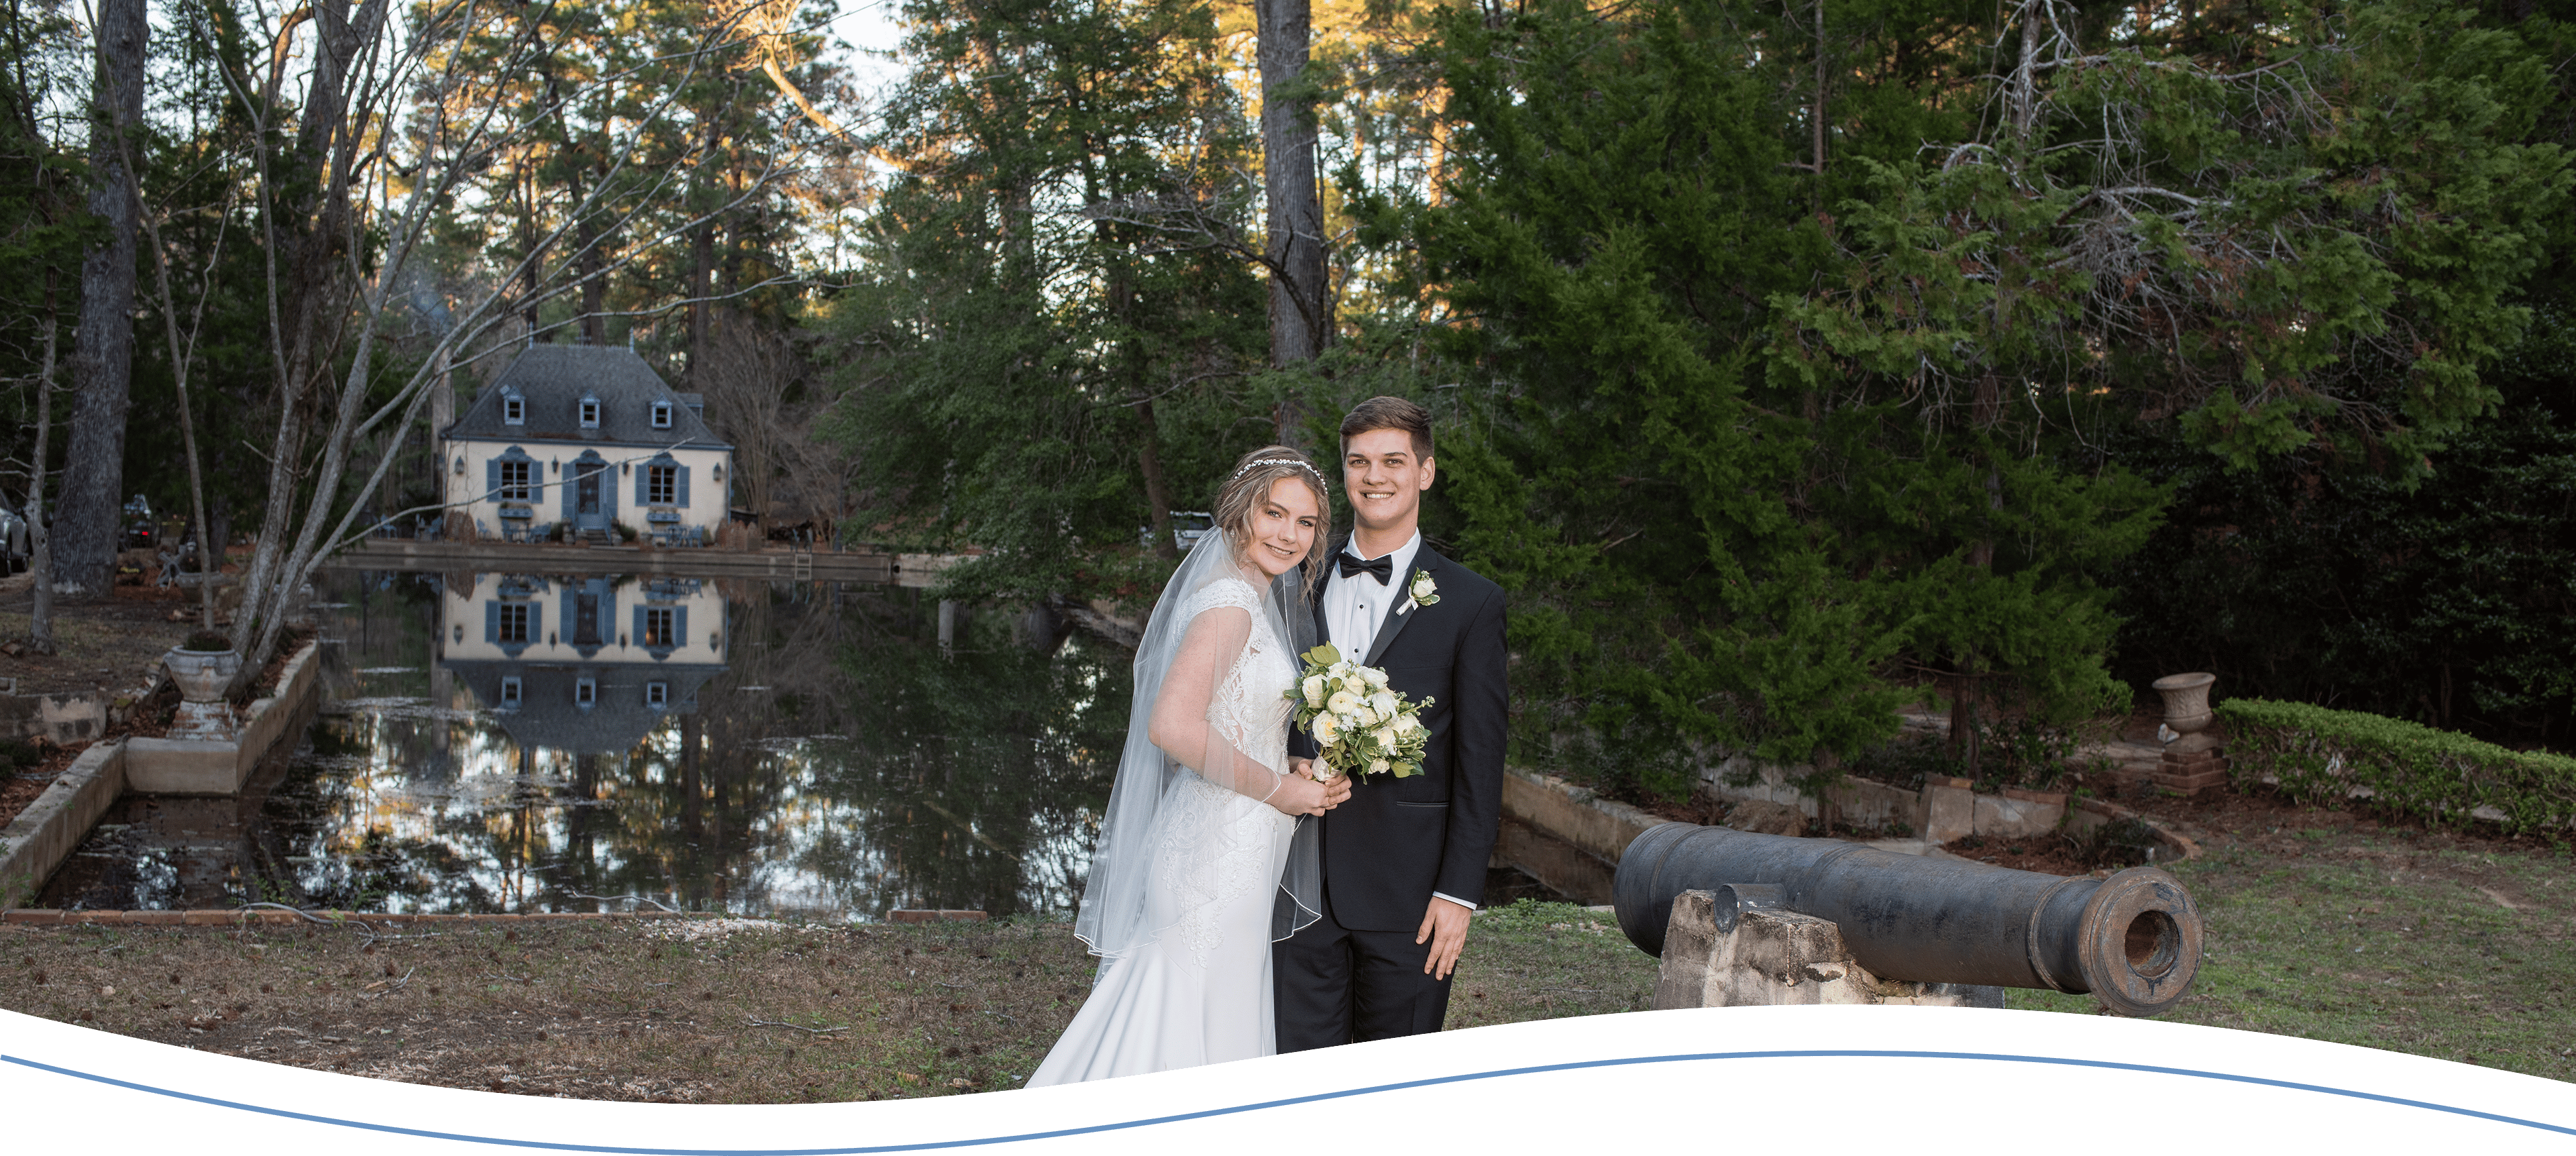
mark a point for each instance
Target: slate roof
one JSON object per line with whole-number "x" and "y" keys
{"x": 554, "y": 378}
{"x": 548, "y": 717}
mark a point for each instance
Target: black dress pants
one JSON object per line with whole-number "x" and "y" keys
{"x": 1337, "y": 986}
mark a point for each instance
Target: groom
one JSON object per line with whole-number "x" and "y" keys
{"x": 1403, "y": 859}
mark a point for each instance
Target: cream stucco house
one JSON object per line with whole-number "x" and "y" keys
{"x": 586, "y": 436}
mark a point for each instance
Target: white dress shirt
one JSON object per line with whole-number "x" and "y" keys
{"x": 1355, "y": 609}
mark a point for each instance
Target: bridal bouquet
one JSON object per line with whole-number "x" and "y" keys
{"x": 1364, "y": 727}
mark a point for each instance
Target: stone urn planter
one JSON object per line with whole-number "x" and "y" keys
{"x": 2186, "y": 701}
{"x": 202, "y": 672}
{"x": 2192, "y": 761}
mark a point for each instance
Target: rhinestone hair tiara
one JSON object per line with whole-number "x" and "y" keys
{"x": 1309, "y": 466}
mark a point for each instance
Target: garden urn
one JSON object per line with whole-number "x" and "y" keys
{"x": 202, "y": 675}
{"x": 2186, "y": 701}
{"x": 203, "y": 668}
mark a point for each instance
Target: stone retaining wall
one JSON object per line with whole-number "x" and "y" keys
{"x": 181, "y": 767}
{"x": 43, "y": 835}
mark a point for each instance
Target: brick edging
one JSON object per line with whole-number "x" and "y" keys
{"x": 222, "y": 917}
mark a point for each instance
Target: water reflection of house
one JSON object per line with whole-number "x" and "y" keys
{"x": 583, "y": 664}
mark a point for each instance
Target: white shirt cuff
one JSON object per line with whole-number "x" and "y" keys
{"x": 1454, "y": 899}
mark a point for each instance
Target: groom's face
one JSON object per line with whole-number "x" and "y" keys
{"x": 1384, "y": 479}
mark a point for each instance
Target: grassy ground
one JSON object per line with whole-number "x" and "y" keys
{"x": 2396, "y": 938}
{"x": 639, "y": 1010}
{"x": 2319, "y": 924}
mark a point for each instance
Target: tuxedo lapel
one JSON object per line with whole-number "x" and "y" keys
{"x": 1403, "y": 612}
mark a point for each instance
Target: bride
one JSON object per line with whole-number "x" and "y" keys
{"x": 1201, "y": 834}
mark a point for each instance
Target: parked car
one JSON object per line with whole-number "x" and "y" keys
{"x": 17, "y": 550}
{"x": 138, "y": 523}
{"x": 1188, "y": 526}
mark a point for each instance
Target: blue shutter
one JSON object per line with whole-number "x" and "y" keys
{"x": 642, "y": 496}
{"x": 563, "y": 482}
{"x": 565, "y": 603}
{"x": 491, "y": 622}
{"x": 680, "y": 620}
{"x": 491, "y": 478}
{"x": 683, "y": 492}
{"x": 607, "y": 504}
{"x": 638, "y": 636}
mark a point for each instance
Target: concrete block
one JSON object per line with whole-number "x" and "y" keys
{"x": 1556, "y": 807}
{"x": 1949, "y": 812}
{"x": 2006, "y": 816}
{"x": 1774, "y": 957}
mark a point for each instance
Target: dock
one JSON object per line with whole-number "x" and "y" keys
{"x": 554, "y": 558}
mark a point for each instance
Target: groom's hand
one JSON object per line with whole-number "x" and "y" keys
{"x": 1444, "y": 926}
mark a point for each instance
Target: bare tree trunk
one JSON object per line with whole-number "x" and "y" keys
{"x": 103, "y": 349}
{"x": 1300, "y": 323}
{"x": 702, "y": 268}
{"x": 40, "y": 615}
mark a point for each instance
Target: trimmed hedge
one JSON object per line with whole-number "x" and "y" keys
{"x": 2320, "y": 755}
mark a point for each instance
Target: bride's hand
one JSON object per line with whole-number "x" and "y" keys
{"x": 1299, "y": 795}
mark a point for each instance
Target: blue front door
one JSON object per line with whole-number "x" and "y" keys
{"x": 586, "y": 512}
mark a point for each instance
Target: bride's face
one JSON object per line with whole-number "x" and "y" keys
{"x": 1284, "y": 527}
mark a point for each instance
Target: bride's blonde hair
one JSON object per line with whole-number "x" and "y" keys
{"x": 1242, "y": 494}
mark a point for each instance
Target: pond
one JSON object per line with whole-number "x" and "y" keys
{"x": 531, "y": 743}
{"x": 515, "y": 743}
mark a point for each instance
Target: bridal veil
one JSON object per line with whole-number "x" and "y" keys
{"x": 1113, "y": 918}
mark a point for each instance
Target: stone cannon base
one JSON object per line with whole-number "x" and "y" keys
{"x": 1771, "y": 956}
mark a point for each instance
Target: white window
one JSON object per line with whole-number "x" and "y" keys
{"x": 514, "y": 482}
{"x": 661, "y": 415}
{"x": 658, "y": 627}
{"x": 657, "y": 694}
{"x": 590, "y": 413}
{"x": 661, "y": 485}
{"x": 510, "y": 692}
{"x": 585, "y": 691}
{"x": 514, "y": 409}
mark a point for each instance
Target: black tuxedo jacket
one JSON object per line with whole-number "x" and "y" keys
{"x": 1396, "y": 841}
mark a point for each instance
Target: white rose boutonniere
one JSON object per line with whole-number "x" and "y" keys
{"x": 1425, "y": 592}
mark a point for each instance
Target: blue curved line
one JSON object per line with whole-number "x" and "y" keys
{"x": 1024, "y": 1137}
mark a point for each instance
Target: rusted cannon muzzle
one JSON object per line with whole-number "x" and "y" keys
{"x": 2132, "y": 940}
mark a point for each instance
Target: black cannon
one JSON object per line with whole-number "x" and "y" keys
{"x": 2133, "y": 940}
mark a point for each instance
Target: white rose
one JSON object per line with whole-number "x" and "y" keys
{"x": 1341, "y": 702}
{"x": 1384, "y": 702}
{"x": 1377, "y": 766}
{"x": 1386, "y": 735}
{"x": 1325, "y": 728}
{"x": 1374, "y": 676}
{"x": 1314, "y": 688}
{"x": 1363, "y": 716}
{"x": 1407, "y": 724}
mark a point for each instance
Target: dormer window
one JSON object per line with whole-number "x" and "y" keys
{"x": 510, "y": 692}
{"x": 585, "y": 692}
{"x": 514, "y": 409}
{"x": 657, "y": 694}
{"x": 590, "y": 413}
{"x": 661, "y": 415}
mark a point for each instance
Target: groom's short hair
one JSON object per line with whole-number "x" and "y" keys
{"x": 1390, "y": 413}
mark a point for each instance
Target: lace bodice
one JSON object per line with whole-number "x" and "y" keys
{"x": 1250, "y": 708}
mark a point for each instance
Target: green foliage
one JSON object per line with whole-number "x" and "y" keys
{"x": 1055, "y": 294}
{"x": 2322, "y": 755}
{"x": 2445, "y": 601}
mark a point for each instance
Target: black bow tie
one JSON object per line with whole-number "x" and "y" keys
{"x": 1383, "y": 566}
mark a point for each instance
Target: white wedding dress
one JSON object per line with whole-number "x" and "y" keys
{"x": 1199, "y": 993}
